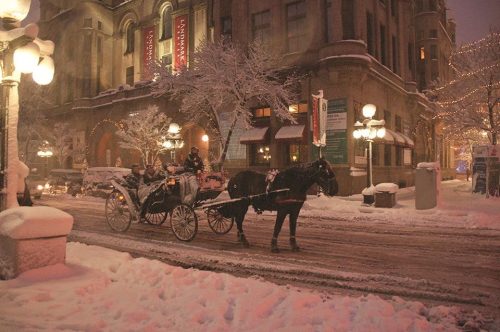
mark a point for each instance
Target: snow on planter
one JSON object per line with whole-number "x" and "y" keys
{"x": 32, "y": 237}
{"x": 390, "y": 188}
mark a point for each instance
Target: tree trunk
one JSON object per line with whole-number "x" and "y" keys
{"x": 228, "y": 139}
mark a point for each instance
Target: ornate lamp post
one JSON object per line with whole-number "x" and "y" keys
{"x": 20, "y": 52}
{"x": 173, "y": 140}
{"x": 368, "y": 130}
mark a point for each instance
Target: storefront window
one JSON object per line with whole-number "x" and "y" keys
{"x": 297, "y": 108}
{"x": 262, "y": 112}
{"x": 260, "y": 155}
{"x": 297, "y": 153}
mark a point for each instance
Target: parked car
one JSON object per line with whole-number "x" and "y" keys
{"x": 36, "y": 184}
{"x": 63, "y": 181}
{"x": 97, "y": 180}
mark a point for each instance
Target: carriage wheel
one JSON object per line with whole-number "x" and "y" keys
{"x": 184, "y": 222}
{"x": 218, "y": 223}
{"x": 118, "y": 215}
{"x": 154, "y": 218}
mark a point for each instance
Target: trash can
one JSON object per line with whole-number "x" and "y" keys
{"x": 385, "y": 195}
{"x": 427, "y": 181}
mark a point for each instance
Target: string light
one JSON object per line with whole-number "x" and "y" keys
{"x": 446, "y": 103}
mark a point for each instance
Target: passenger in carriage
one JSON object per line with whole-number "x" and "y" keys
{"x": 193, "y": 162}
{"x": 152, "y": 175}
{"x": 134, "y": 179}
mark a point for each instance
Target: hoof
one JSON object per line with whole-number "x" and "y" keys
{"x": 274, "y": 246}
{"x": 243, "y": 240}
{"x": 293, "y": 245}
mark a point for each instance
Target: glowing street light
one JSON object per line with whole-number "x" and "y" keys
{"x": 20, "y": 52}
{"x": 368, "y": 130}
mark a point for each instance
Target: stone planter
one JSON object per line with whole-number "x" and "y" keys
{"x": 32, "y": 237}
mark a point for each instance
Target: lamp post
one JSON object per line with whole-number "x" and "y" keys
{"x": 368, "y": 130}
{"x": 20, "y": 52}
{"x": 173, "y": 140}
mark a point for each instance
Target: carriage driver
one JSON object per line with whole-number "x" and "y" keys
{"x": 193, "y": 161}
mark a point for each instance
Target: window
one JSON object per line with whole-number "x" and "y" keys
{"x": 348, "y": 19}
{"x": 328, "y": 21}
{"x": 434, "y": 73}
{"x": 99, "y": 44}
{"x": 260, "y": 155}
{"x": 420, "y": 6}
{"x": 99, "y": 25}
{"x": 398, "y": 124}
{"x": 422, "y": 53}
{"x": 388, "y": 118}
{"x": 420, "y": 34}
{"x": 262, "y": 112}
{"x": 296, "y": 26}
{"x": 395, "y": 55}
{"x": 87, "y": 22}
{"x": 227, "y": 26}
{"x": 375, "y": 155}
{"x": 370, "y": 37}
{"x": 261, "y": 27}
{"x": 432, "y": 5}
{"x": 388, "y": 155}
{"x": 297, "y": 108}
{"x": 166, "y": 23}
{"x": 399, "y": 156}
{"x": 433, "y": 33}
{"x": 98, "y": 86}
{"x": 130, "y": 33}
{"x": 433, "y": 52}
{"x": 130, "y": 76}
{"x": 410, "y": 57}
{"x": 297, "y": 153}
{"x": 394, "y": 8}
{"x": 383, "y": 45}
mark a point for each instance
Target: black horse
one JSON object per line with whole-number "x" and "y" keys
{"x": 297, "y": 179}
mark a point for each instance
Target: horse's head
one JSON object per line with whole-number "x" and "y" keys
{"x": 325, "y": 177}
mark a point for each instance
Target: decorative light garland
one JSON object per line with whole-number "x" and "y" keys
{"x": 445, "y": 103}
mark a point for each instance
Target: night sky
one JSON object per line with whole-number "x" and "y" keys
{"x": 474, "y": 17}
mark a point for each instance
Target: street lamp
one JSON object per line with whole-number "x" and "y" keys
{"x": 368, "y": 130}
{"x": 173, "y": 140}
{"x": 20, "y": 52}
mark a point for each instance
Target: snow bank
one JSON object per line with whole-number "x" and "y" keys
{"x": 104, "y": 290}
{"x": 34, "y": 222}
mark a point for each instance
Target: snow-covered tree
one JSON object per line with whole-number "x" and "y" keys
{"x": 224, "y": 77}
{"x": 60, "y": 141}
{"x": 145, "y": 133}
{"x": 470, "y": 101}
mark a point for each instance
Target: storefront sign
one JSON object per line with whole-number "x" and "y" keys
{"x": 149, "y": 52}
{"x": 181, "y": 37}
{"x": 336, "y": 132}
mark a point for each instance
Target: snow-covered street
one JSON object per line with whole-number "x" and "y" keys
{"x": 448, "y": 255}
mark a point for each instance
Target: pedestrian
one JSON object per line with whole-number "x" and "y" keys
{"x": 151, "y": 175}
{"x": 134, "y": 179}
{"x": 193, "y": 162}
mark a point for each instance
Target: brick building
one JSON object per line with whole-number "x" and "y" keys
{"x": 356, "y": 51}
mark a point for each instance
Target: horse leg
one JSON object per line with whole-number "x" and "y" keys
{"x": 294, "y": 214}
{"x": 240, "y": 216}
{"x": 280, "y": 218}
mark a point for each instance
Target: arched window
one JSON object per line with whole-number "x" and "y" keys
{"x": 130, "y": 38}
{"x": 166, "y": 23}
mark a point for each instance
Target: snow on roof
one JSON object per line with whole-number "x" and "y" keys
{"x": 434, "y": 165}
{"x": 398, "y": 137}
{"x": 387, "y": 139}
{"x": 290, "y": 132}
{"x": 387, "y": 187}
{"x": 29, "y": 222}
{"x": 254, "y": 135}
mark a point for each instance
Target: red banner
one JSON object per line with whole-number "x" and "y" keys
{"x": 315, "y": 120}
{"x": 149, "y": 52}
{"x": 181, "y": 37}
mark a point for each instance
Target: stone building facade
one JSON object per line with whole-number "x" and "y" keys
{"x": 355, "y": 51}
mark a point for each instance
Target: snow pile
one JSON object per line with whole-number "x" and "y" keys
{"x": 104, "y": 290}
{"x": 28, "y": 222}
{"x": 459, "y": 207}
{"x": 387, "y": 187}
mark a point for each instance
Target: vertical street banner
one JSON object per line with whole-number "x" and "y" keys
{"x": 319, "y": 117}
{"x": 181, "y": 41}
{"x": 148, "y": 36}
{"x": 336, "y": 131}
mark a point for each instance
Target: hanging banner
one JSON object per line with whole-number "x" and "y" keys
{"x": 319, "y": 118}
{"x": 181, "y": 37}
{"x": 148, "y": 36}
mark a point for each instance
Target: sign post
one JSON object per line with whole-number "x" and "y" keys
{"x": 319, "y": 116}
